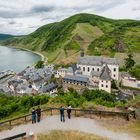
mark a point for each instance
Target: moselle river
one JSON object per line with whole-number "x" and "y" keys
{"x": 16, "y": 59}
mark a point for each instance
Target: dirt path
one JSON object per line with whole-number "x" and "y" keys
{"x": 79, "y": 124}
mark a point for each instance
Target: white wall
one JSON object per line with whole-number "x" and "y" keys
{"x": 86, "y": 72}
{"x": 105, "y": 85}
{"x": 131, "y": 83}
{"x": 114, "y": 74}
{"x": 60, "y": 74}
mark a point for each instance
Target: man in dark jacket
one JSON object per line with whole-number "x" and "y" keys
{"x": 69, "y": 111}
{"x": 62, "y": 115}
{"x": 38, "y": 112}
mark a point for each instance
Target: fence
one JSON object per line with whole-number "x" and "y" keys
{"x": 99, "y": 113}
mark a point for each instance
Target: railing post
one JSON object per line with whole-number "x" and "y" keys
{"x": 134, "y": 114}
{"x": 10, "y": 123}
{"x": 127, "y": 117}
{"x": 25, "y": 119}
{"x": 75, "y": 113}
{"x": 51, "y": 112}
{"x": 100, "y": 114}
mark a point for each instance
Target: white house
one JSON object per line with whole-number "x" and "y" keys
{"x": 62, "y": 72}
{"x": 89, "y": 64}
{"x": 105, "y": 79}
{"x": 129, "y": 81}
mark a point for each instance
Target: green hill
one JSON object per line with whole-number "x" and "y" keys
{"x": 5, "y": 36}
{"x": 61, "y": 41}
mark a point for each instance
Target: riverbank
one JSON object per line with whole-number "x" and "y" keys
{"x": 38, "y": 53}
{"x": 25, "y": 49}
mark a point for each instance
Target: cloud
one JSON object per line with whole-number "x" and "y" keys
{"x": 24, "y": 16}
{"x": 136, "y": 8}
{"x": 42, "y": 8}
{"x": 12, "y": 22}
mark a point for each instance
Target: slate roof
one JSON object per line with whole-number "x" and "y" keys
{"x": 79, "y": 78}
{"x": 95, "y": 73}
{"x": 96, "y": 60}
{"x": 48, "y": 87}
{"x": 105, "y": 74}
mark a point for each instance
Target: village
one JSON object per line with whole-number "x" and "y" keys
{"x": 90, "y": 72}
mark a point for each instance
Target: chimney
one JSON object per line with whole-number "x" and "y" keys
{"x": 82, "y": 53}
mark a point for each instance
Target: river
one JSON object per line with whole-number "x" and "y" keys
{"x": 16, "y": 59}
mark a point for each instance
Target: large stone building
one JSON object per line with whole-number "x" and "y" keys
{"x": 99, "y": 70}
{"x": 91, "y": 64}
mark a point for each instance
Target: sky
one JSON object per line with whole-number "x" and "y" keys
{"x": 21, "y": 17}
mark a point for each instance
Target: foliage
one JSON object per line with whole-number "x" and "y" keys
{"x": 129, "y": 62}
{"x": 39, "y": 64}
{"x": 113, "y": 84}
{"x": 135, "y": 72}
{"x": 10, "y": 105}
{"x": 99, "y": 97}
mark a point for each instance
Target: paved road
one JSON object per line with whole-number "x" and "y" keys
{"x": 78, "y": 124}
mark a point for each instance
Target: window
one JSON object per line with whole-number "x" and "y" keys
{"x": 83, "y": 68}
{"x": 114, "y": 75}
{"x": 88, "y": 69}
{"x": 114, "y": 69}
{"x": 93, "y": 69}
{"x": 106, "y": 81}
{"x": 98, "y": 69}
{"x": 106, "y": 86}
{"x": 102, "y": 85}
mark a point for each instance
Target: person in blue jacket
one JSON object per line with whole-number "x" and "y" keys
{"x": 33, "y": 115}
{"x": 62, "y": 114}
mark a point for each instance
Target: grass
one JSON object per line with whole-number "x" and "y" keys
{"x": 121, "y": 56}
{"x": 87, "y": 31}
{"x": 68, "y": 135}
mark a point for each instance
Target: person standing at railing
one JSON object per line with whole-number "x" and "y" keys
{"x": 62, "y": 114}
{"x": 38, "y": 112}
{"x": 69, "y": 111}
{"x": 33, "y": 116}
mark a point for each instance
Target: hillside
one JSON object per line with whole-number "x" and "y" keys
{"x": 61, "y": 41}
{"x": 5, "y": 36}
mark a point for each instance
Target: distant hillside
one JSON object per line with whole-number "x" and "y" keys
{"x": 5, "y": 36}
{"x": 62, "y": 41}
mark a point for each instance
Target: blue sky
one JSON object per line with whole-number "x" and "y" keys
{"x": 25, "y": 16}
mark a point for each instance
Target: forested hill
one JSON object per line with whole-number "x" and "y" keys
{"x": 5, "y": 36}
{"x": 62, "y": 41}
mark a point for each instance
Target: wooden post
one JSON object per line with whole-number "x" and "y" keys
{"x": 51, "y": 112}
{"x": 127, "y": 117}
{"x": 134, "y": 114}
{"x": 10, "y": 123}
{"x": 75, "y": 113}
{"x": 100, "y": 114}
{"x": 25, "y": 119}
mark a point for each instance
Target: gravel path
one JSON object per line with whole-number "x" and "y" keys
{"x": 78, "y": 124}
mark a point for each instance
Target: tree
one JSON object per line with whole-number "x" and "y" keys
{"x": 113, "y": 84}
{"x": 39, "y": 64}
{"x": 129, "y": 62}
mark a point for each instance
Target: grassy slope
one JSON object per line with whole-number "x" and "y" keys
{"x": 68, "y": 135}
{"x": 97, "y": 35}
